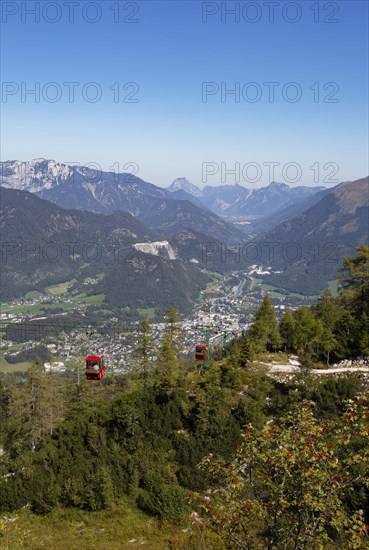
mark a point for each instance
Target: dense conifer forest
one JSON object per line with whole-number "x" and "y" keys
{"x": 224, "y": 458}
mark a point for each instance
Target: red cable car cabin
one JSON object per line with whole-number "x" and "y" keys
{"x": 200, "y": 352}
{"x": 95, "y": 367}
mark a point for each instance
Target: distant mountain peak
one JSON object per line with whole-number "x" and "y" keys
{"x": 83, "y": 188}
{"x": 186, "y": 185}
{"x": 278, "y": 185}
{"x": 34, "y": 175}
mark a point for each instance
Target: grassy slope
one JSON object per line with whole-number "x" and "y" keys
{"x": 106, "y": 530}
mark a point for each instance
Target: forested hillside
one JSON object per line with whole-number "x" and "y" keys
{"x": 229, "y": 457}
{"x": 320, "y": 235}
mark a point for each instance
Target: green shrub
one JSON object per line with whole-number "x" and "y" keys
{"x": 161, "y": 498}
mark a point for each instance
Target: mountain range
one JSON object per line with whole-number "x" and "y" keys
{"x": 79, "y": 187}
{"x": 181, "y": 205}
{"x": 138, "y": 226}
{"x": 303, "y": 232}
{"x": 236, "y": 200}
{"x": 308, "y": 248}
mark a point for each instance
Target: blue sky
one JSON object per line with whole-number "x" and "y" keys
{"x": 168, "y": 50}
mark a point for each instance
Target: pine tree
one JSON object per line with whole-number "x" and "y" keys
{"x": 351, "y": 329}
{"x": 265, "y": 330}
{"x": 173, "y": 329}
{"x": 3, "y": 413}
{"x": 364, "y": 335}
{"x": 354, "y": 279}
{"x": 44, "y": 406}
{"x": 234, "y": 354}
{"x": 288, "y": 330}
{"x": 13, "y": 426}
{"x": 308, "y": 331}
{"x": 328, "y": 309}
{"x": 36, "y": 404}
{"x": 167, "y": 365}
{"x": 245, "y": 351}
{"x": 145, "y": 349}
{"x": 346, "y": 335}
{"x": 327, "y": 342}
